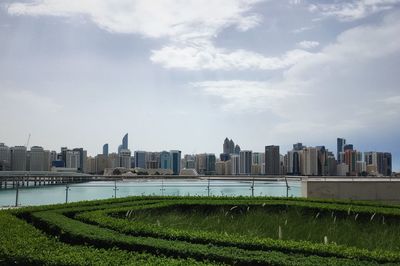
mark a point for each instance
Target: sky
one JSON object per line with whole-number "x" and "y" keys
{"x": 186, "y": 74}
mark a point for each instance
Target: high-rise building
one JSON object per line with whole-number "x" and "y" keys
{"x": 298, "y": 146}
{"x": 237, "y": 149}
{"x": 293, "y": 162}
{"x": 82, "y": 159}
{"x": 5, "y": 158}
{"x": 201, "y": 163}
{"x": 113, "y": 160}
{"x": 125, "y": 158}
{"x": 245, "y": 158}
{"x": 378, "y": 163}
{"x": 340, "y": 148}
{"x": 153, "y": 160}
{"x": 37, "y": 159}
{"x": 124, "y": 145}
{"x": 323, "y": 169}
{"x": 310, "y": 161}
{"x": 272, "y": 160}
{"x": 348, "y": 147}
{"x": 101, "y": 163}
{"x": 73, "y": 159}
{"x": 165, "y": 160}
{"x": 235, "y": 164}
{"x": 226, "y": 146}
{"x": 105, "y": 149}
{"x": 18, "y": 158}
{"x": 351, "y": 157}
{"x": 176, "y": 161}
{"x": 140, "y": 159}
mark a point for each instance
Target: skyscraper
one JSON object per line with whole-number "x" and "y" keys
{"x": 5, "y": 158}
{"x": 125, "y": 158}
{"x": 165, "y": 159}
{"x": 237, "y": 149}
{"x": 340, "y": 148}
{"x": 36, "y": 162}
{"x": 310, "y": 161}
{"x": 226, "y": 146}
{"x": 272, "y": 160}
{"x": 140, "y": 159}
{"x": 235, "y": 164}
{"x": 245, "y": 158}
{"x": 105, "y": 149}
{"x": 124, "y": 145}
{"x": 18, "y": 158}
{"x": 176, "y": 161}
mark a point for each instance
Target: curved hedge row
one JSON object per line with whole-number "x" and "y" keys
{"x": 97, "y": 232}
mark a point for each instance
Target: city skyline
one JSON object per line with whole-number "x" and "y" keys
{"x": 260, "y": 72}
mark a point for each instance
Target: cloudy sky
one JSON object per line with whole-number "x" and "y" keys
{"x": 186, "y": 74}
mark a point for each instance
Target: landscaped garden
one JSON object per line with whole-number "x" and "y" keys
{"x": 202, "y": 231}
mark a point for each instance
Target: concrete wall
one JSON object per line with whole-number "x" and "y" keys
{"x": 382, "y": 190}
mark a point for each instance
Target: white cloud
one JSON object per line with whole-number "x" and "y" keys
{"x": 334, "y": 90}
{"x": 190, "y": 27}
{"x": 241, "y": 95}
{"x": 164, "y": 18}
{"x": 204, "y": 55}
{"x": 308, "y": 44}
{"x": 353, "y": 10}
{"x": 302, "y": 29}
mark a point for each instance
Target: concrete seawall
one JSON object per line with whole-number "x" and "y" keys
{"x": 379, "y": 189}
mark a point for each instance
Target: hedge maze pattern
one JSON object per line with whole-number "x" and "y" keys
{"x": 99, "y": 233}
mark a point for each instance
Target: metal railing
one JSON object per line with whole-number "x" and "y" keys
{"x": 206, "y": 187}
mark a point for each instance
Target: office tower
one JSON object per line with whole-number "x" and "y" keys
{"x": 73, "y": 159}
{"x": 176, "y": 161}
{"x": 340, "y": 148}
{"x": 348, "y": 147}
{"x": 387, "y": 164}
{"x": 332, "y": 164}
{"x": 153, "y": 160}
{"x": 210, "y": 164}
{"x": 125, "y": 158}
{"x": 124, "y": 145}
{"x": 64, "y": 154}
{"x": 18, "y": 158}
{"x": 113, "y": 160}
{"x": 140, "y": 159}
{"x": 82, "y": 159}
{"x": 235, "y": 164}
{"x": 231, "y": 147}
{"x": 272, "y": 160}
{"x": 201, "y": 163}
{"x": 36, "y": 161}
{"x": 237, "y": 149}
{"x": 342, "y": 169}
{"x": 226, "y": 146}
{"x": 220, "y": 168}
{"x": 310, "y": 161}
{"x": 323, "y": 169}
{"x": 298, "y": 146}
{"x": 90, "y": 165}
{"x": 293, "y": 162}
{"x": 101, "y": 163}
{"x": 245, "y": 158}
{"x": 105, "y": 149}
{"x": 258, "y": 158}
{"x": 5, "y": 158}
{"x": 165, "y": 160}
{"x": 351, "y": 157}
{"x": 224, "y": 157}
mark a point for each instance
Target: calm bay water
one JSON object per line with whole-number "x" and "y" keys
{"x": 173, "y": 187}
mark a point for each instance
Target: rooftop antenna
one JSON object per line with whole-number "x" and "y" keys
{"x": 27, "y": 142}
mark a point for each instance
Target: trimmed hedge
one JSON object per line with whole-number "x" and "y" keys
{"x": 107, "y": 219}
{"x": 22, "y": 244}
{"x": 96, "y": 232}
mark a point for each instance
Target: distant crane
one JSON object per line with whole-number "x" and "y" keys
{"x": 27, "y": 142}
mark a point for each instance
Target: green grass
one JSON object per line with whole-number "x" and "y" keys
{"x": 201, "y": 231}
{"x": 350, "y": 230}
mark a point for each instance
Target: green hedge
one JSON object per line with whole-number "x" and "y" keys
{"x": 23, "y": 244}
{"x": 104, "y": 218}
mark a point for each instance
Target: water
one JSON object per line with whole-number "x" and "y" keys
{"x": 173, "y": 187}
